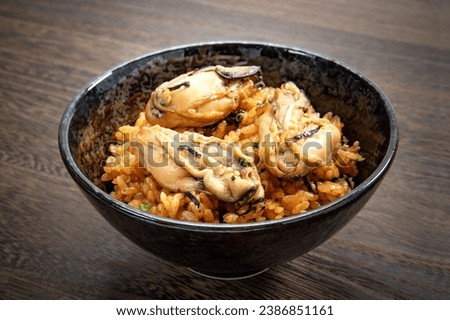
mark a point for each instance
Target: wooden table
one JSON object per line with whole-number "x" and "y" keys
{"x": 54, "y": 245}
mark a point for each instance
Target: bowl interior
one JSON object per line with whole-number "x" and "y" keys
{"x": 117, "y": 97}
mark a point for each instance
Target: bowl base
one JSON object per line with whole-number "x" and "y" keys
{"x": 225, "y": 276}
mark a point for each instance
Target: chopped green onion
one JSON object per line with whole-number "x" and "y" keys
{"x": 240, "y": 116}
{"x": 243, "y": 162}
{"x": 145, "y": 207}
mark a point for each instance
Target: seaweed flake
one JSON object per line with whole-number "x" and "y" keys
{"x": 306, "y": 134}
{"x": 178, "y": 86}
{"x": 307, "y": 184}
{"x": 235, "y": 117}
{"x": 243, "y": 162}
{"x": 190, "y": 149}
{"x": 193, "y": 199}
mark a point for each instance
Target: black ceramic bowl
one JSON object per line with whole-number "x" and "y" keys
{"x": 222, "y": 250}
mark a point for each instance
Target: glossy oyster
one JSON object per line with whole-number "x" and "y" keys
{"x": 185, "y": 162}
{"x": 294, "y": 140}
{"x": 202, "y": 97}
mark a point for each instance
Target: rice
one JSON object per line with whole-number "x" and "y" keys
{"x": 134, "y": 185}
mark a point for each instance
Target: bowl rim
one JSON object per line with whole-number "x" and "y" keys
{"x": 88, "y": 186}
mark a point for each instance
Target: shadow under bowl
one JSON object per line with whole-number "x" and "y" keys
{"x": 222, "y": 250}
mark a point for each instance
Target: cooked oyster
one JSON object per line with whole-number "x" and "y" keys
{"x": 184, "y": 162}
{"x": 294, "y": 139}
{"x": 202, "y": 97}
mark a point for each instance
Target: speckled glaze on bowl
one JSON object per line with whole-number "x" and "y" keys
{"x": 222, "y": 250}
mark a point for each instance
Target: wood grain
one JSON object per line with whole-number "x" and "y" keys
{"x": 53, "y": 245}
